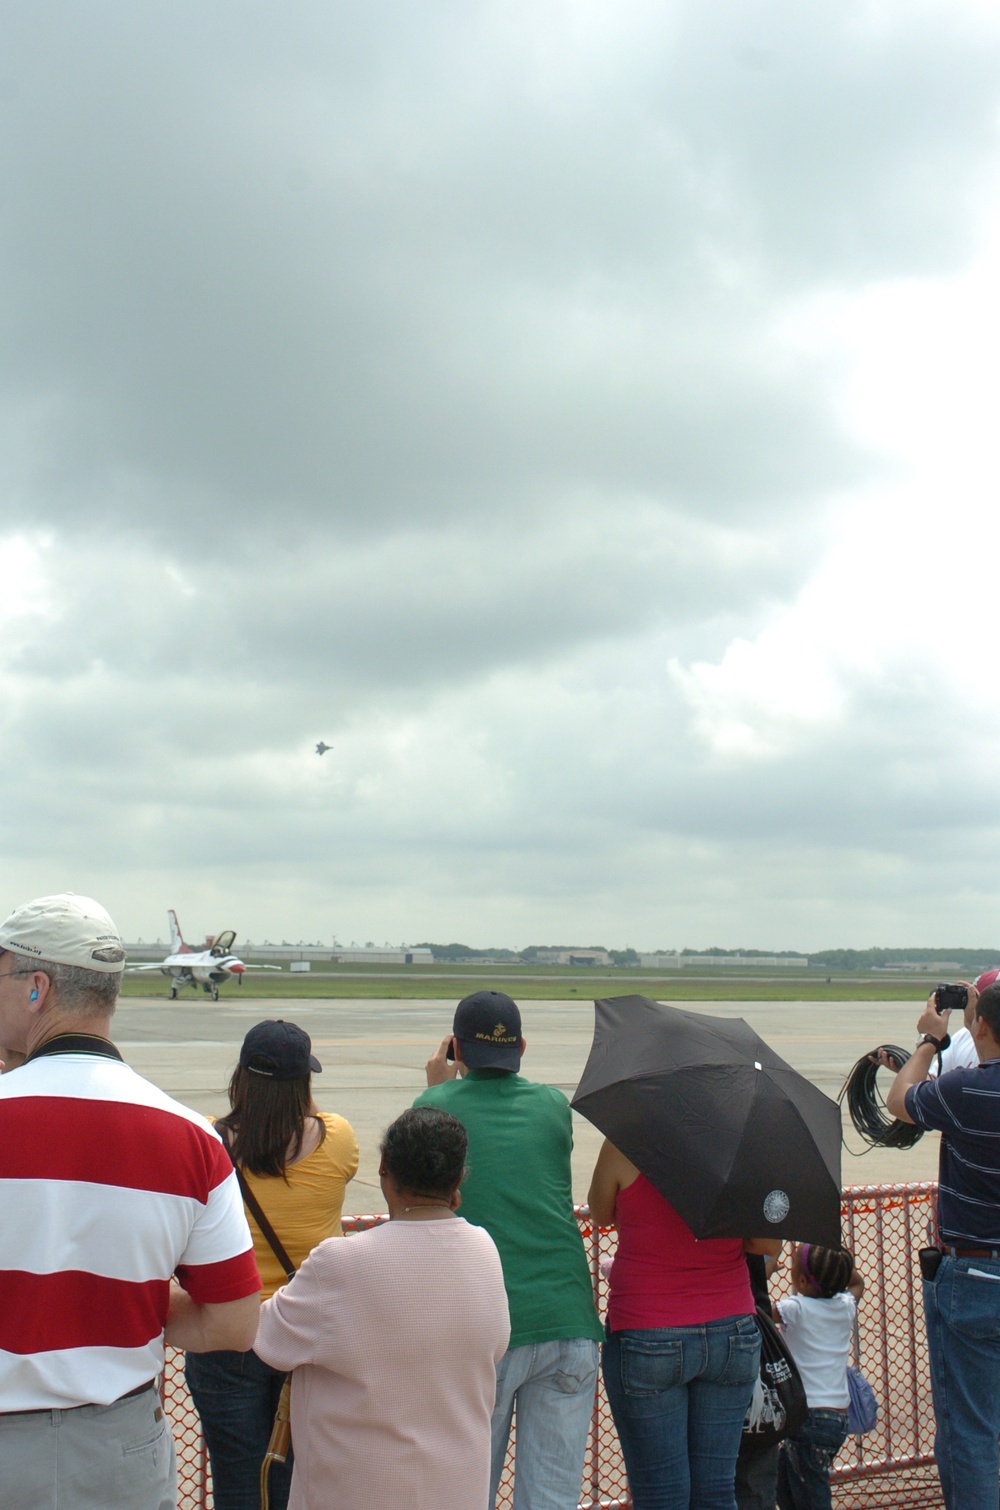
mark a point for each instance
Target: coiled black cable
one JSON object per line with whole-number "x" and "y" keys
{"x": 866, "y": 1108}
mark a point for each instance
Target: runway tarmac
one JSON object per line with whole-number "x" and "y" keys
{"x": 373, "y": 1055}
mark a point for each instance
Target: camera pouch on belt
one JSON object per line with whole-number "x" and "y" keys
{"x": 930, "y": 1262}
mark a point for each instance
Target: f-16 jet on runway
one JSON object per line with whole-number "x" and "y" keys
{"x": 208, "y": 968}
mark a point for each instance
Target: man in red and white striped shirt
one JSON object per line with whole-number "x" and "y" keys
{"x": 122, "y": 1228}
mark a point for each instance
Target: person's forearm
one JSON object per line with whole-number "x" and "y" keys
{"x": 185, "y": 1325}
{"x": 209, "y": 1329}
{"x": 914, "y": 1072}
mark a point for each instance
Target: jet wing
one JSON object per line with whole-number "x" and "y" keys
{"x": 142, "y": 969}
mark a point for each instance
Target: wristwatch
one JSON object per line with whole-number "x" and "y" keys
{"x": 940, "y": 1044}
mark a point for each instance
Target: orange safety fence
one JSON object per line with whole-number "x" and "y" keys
{"x": 884, "y": 1226}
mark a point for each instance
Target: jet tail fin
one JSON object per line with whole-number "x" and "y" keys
{"x": 177, "y": 944}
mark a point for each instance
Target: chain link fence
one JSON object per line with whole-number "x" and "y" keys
{"x": 892, "y": 1467}
{"x": 885, "y": 1226}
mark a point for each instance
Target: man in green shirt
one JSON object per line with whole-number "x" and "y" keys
{"x": 518, "y": 1186}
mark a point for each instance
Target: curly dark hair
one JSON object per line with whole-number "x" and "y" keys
{"x": 830, "y": 1269}
{"x": 424, "y": 1151}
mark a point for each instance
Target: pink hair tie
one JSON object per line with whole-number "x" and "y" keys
{"x": 804, "y": 1261}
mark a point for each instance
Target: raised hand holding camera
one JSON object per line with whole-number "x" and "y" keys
{"x": 961, "y": 997}
{"x": 952, "y": 998}
{"x": 933, "y": 1020}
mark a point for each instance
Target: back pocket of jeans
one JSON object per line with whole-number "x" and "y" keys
{"x": 578, "y": 1358}
{"x": 649, "y": 1367}
{"x": 743, "y": 1363}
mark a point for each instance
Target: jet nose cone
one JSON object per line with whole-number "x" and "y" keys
{"x": 237, "y": 967}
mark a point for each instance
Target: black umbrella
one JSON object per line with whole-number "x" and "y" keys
{"x": 740, "y": 1144}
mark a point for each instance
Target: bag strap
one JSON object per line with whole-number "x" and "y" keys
{"x": 280, "y": 1440}
{"x": 253, "y": 1206}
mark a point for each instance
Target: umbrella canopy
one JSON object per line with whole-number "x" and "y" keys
{"x": 738, "y": 1142}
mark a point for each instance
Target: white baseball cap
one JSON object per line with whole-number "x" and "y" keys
{"x": 65, "y": 930}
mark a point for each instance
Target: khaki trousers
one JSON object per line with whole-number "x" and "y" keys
{"x": 94, "y": 1457}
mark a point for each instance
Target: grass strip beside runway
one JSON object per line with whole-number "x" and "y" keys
{"x": 531, "y": 985}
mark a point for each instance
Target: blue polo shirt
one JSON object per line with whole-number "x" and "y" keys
{"x": 964, "y": 1106}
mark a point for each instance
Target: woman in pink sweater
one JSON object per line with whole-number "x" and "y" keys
{"x": 393, "y": 1336}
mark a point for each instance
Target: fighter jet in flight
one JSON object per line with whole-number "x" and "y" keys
{"x": 321, "y": 748}
{"x": 208, "y": 968}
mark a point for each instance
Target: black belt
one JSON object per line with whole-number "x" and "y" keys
{"x": 45, "y": 1410}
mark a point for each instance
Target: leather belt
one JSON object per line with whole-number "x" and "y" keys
{"x": 954, "y": 1252}
{"x": 44, "y": 1410}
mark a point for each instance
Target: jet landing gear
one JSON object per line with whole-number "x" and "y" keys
{"x": 173, "y": 993}
{"x": 211, "y": 990}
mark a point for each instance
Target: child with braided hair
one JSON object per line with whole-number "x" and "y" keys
{"x": 817, "y": 1321}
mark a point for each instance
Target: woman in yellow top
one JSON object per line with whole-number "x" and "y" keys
{"x": 297, "y": 1161}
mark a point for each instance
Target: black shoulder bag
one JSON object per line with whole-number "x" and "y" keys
{"x": 778, "y": 1405}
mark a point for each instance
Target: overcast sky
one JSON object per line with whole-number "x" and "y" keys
{"x": 580, "y": 414}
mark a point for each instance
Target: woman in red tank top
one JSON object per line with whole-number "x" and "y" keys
{"x": 682, "y": 1349}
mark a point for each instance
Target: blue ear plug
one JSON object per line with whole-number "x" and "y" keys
{"x": 33, "y": 996}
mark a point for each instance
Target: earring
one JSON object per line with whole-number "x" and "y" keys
{"x": 33, "y": 996}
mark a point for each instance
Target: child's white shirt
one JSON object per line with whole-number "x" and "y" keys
{"x": 817, "y": 1333}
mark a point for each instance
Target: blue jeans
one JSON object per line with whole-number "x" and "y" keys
{"x": 962, "y": 1311}
{"x": 679, "y": 1395}
{"x": 552, "y": 1385}
{"x": 804, "y": 1461}
{"x": 757, "y": 1478}
{"x": 236, "y": 1395}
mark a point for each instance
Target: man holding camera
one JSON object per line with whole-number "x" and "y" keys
{"x": 960, "y": 1053}
{"x": 962, "y": 1274}
{"x": 519, "y": 1187}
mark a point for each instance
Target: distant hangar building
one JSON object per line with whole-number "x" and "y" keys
{"x": 721, "y": 961}
{"x": 336, "y": 955}
{"x": 401, "y": 956}
{"x": 572, "y": 957}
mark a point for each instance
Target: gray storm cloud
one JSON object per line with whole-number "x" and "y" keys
{"x": 419, "y": 381}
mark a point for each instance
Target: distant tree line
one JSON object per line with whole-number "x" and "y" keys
{"x": 866, "y": 959}
{"x": 833, "y": 959}
{"x": 744, "y": 953}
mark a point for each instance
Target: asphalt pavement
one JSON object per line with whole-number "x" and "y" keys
{"x": 373, "y": 1055}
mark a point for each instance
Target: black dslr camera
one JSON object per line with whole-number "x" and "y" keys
{"x": 951, "y": 998}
